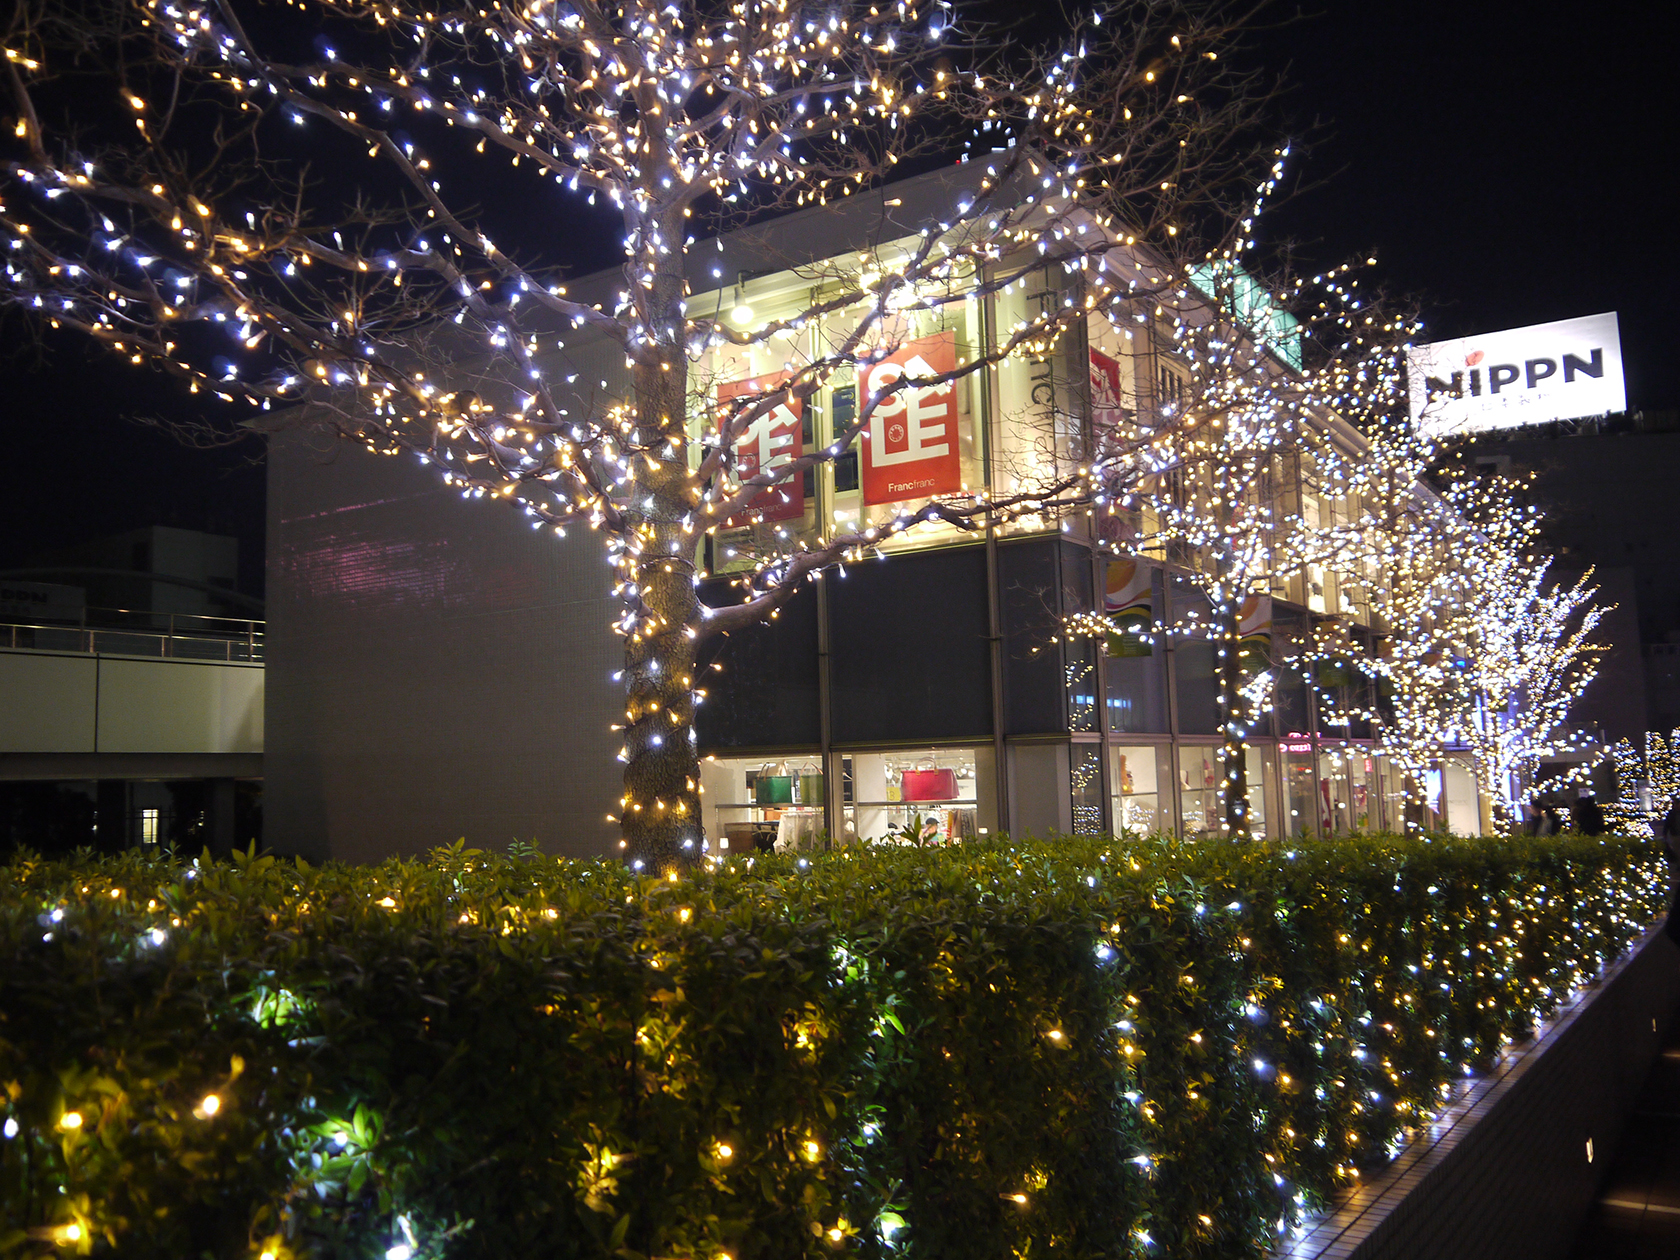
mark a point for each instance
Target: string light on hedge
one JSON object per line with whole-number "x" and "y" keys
{"x": 1578, "y": 915}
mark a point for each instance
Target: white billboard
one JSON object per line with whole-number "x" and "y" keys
{"x": 1501, "y": 380}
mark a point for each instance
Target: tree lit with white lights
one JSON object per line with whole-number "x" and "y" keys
{"x": 277, "y": 205}
{"x": 1528, "y": 656}
{"x": 188, "y": 239}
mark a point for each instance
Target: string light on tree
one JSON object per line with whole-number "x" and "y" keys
{"x": 405, "y": 326}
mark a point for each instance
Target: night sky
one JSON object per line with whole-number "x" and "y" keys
{"x": 1508, "y": 164}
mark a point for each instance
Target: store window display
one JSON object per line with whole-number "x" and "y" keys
{"x": 752, "y": 804}
{"x": 1141, "y": 779}
{"x": 1348, "y": 788}
{"x": 1302, "y": 813}
{"x": 1200, "y": 773}
{"x": 730, "y": 378}
{"x": 1198, "y": 789}
{"x": 951, "y": 791}
{"x": 1391, "y": 795}
{"x": 920, "y": 441}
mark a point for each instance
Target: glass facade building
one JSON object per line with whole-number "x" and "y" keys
{"x": 936, "y": 685}
{"x": 951, "y": 656}
{"x": 931, "y": 685}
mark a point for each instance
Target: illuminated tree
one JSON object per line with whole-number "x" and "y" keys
{"x": 1261, "y": 462}
{"x": 349, "y": 270}
{"x": 1624, "y": 816}
{"x": 1528, "y": 656}
{"x": 1473, "y": 645}
{"x": 1408, "y": 539}
{"x": 1657, "y": 773}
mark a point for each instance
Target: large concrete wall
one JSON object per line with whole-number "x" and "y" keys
{"x": 436, "y": 668}
{"x": 69, "y": 703}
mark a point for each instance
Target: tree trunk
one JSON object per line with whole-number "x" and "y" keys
{"x": 660, "y": 810}
{"x": 1233, "y": 727}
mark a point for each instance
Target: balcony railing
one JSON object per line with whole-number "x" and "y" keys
{"x": 123, "y": 632}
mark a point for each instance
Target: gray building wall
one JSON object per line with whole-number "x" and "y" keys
{"x": 436, "y": 668}
{"x": 1616, "y": 700}
{"x": 1608, "y": 496}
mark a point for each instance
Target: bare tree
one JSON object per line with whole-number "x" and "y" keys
{"x": 197, "y": 236}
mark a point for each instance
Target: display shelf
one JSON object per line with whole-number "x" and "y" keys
{"x": 960, "y": 802}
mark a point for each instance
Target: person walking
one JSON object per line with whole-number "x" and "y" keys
{"x": 1586, "y": 815}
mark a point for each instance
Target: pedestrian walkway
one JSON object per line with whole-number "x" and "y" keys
{"x": 1637, "y": 1216}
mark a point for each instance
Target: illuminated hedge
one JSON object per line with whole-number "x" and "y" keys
{"x": 1079, "y": 1046}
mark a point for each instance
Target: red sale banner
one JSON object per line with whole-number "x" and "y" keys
{"x": 771, "y": 442}
{"x": 910, "y": 444}
{"x": 1106, "y": 409}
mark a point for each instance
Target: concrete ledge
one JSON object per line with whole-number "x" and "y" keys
{"x": 1513, "y": 1164}
{"x": 27, "y": 767}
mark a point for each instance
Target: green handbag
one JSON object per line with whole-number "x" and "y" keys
{"x": 811, "y": 789}
{"x": 773, "y": 789}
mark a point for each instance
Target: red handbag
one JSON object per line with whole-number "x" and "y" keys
{"x": 930, "y": 785}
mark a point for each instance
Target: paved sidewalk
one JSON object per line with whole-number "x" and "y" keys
{"x": 1637, "y": 1216}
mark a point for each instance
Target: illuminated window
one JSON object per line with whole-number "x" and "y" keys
{"x": 148, "y": 826}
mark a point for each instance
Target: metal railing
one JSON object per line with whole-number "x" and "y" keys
{"x": 125, "y": 632}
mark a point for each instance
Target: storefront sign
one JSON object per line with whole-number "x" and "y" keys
{"x": 1106, "y": 409}
{"x": 1533, "y": 375}
{"x": 31, "y": 602}
{"x": 772, "y": 441}
{"x": 910, "y": 443}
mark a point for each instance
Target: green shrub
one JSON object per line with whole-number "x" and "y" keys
{"x": 1081, "y": 1047}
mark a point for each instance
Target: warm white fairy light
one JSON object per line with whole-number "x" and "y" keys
{"x": 1261, "y": 473}
{"x": 675, "y": 115}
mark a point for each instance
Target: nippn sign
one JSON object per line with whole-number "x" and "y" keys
{"x": 1559, "y": 371}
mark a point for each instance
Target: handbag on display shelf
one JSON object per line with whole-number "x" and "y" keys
{"x": 810, "y": 787}
{"x": 773, "y": 789}
{"x": 930, "y": 785}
